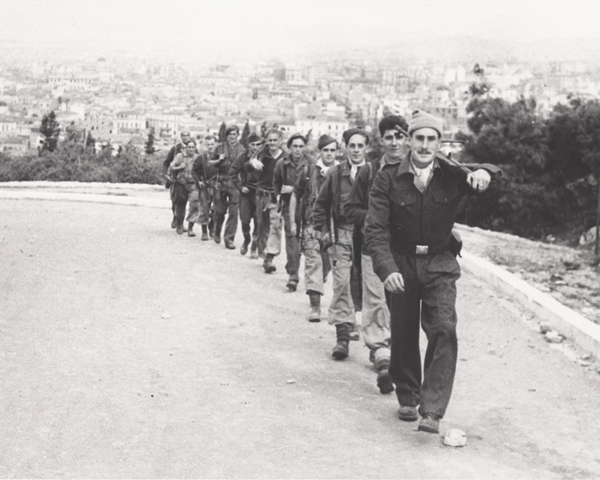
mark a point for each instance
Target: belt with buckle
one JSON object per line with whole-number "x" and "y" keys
{"x": 411, "y": 249}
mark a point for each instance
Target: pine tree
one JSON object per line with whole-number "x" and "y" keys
{"x": 222, "y": 135}
{"x": 50, "y": 130}
{"x": 150, "y": 144}
{"x": 245, "y": 135}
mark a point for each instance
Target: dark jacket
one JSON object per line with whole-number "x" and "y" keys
{"x": 399, "y": 214}
{"x": 242, "y": 177}
{"x": 307, "y": 187}
{"x": 355, "y": 209}
{"x": 230, "y": 155}
{"x": 265, "y": 176}
{"x": 286, "y": 172}
{"x": 332, "y": 198}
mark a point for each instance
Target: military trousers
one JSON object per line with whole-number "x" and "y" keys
{"x": 263, "y": 221}
{"x": 428, "y": 301}
{"x": 316, "y": 262}
{"x": 189, "y": 194}
{"x": 292, "y": 248}
{"x": 341, "y": 308}
{"x": 226, "y": 200}
{"x": 375, "y": 315}
{"x": 248, "y": 214}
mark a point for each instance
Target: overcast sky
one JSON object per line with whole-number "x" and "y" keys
{"x": 273, "y": 26}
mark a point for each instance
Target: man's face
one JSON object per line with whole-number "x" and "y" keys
{"x": 210, "y": 145}
{"x": 185, "y": 137}
{"x": 232, "y": 137}
{"x": 328, "y": 153}
{"x": 297, "y": 148}
{"x": 394, "y": 143}
{"x": 273, "y": 140}
{"x": 424, "y": 144}
{"x": 254, "y": 147}
{"x": 357, "y": 147}
{"x": 190, "y": 148}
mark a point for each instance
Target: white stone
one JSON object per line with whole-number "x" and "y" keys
{"x": 455, "y": 437}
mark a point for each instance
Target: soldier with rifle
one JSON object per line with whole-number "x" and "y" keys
{"x": 263, "y": 164}
{"x": 246, "y": 181}
{"x": 286, "y": 171}
{"x": 174, "y": 190}
{"x": 332, "y": 227}
{"x": 375, "y": 312}
{"x": 408, "y": 233}
{"x": 306, "y": 190}
{"x": 226, "y": 195}
{"x": 185, "y": 176}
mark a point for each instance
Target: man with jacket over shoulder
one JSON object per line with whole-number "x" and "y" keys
{"x": 408, "y": 233}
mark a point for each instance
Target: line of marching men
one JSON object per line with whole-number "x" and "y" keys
{"x": 317, "y": 204}
{"x": 402, "y": 206}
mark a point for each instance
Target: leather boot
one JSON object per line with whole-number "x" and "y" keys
{"x": 268, "y": 263}
{"x": 204, "y": 233}
{"x": 253, "y": 250}
{"x": 191, "y": 229}
{"x": 217, "y": 232}
{"x": 341, "y": 349}
{"x": 180, "y": 228}
{"x": 244, "y": 249}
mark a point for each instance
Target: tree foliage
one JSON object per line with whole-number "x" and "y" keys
{"x": 50, "y": 131}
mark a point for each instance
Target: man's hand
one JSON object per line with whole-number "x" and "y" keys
{"x": 245, "y": 190}
{"x": 479, "y": 180}
{"x": 394, "y": 283}
{"x": 287, "y": 188}
{"x": 256, "y": 164}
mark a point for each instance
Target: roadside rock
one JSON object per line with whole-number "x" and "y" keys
{"x": 455, "y": 437}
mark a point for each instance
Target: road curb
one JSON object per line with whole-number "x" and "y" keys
{"x": 571, "y": 324}
{"x": 560, "y": 317}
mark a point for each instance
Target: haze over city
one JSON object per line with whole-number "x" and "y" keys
{"x": 239, "y": 29}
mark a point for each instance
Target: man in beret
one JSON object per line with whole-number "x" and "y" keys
{"x": 333, "y": 228}
{"x": 375, "y": 312}
{"x": 306, "y": 189}
{"x": 246, "y": 181}
{"x": 412, "y": 206}
{"x": 226, "y": 196}
{"x": 284, "y": 178}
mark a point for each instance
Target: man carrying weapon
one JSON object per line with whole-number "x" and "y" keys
{"x": 245, "y": 181}
{"x": 408, "y": 232}
{"x": 331, "y": 226}
{"x": 286, "y": 171}
{"x": 306, "y": 190}
{"x": 375, "y": 312}
{"x": 174, "y": 189}
{"x": 226, "y": 195}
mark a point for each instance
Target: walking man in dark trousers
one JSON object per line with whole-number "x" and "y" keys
{"x": 412, "y": 207}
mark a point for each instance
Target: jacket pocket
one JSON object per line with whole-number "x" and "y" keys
{"x": 403, "y": 198}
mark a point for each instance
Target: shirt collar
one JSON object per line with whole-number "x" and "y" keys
{"x": 405, "y": 165}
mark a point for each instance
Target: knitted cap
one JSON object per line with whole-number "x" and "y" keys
{"x": 296, "y": 136}
{"x": 325, "y": 140}
{"x": 421, "y": 119}
{"x": 355, "y": 131}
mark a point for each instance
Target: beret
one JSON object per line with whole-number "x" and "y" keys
{"x": 296, "y": 136}
{"x": 233, "y": 128}
{"x": 355, "y": 131}
{"x": 253, "y": 138}
{"x": 325, "y": 140}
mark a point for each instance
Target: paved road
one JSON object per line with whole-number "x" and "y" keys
{"x": 130, "y": 351}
